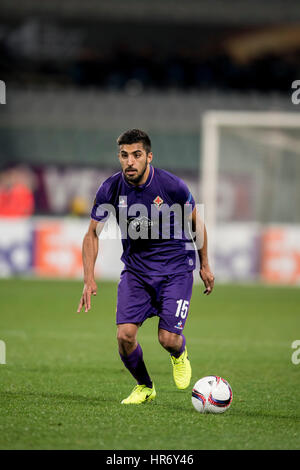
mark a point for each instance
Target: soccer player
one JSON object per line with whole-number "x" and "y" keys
{"x": 158, "y": 274}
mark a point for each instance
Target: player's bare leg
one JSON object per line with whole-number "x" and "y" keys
{"x": 175, "y": 345}
{"x": 170, "y": 341}
{"x": 127, "y": 338}
{"x": 132, "y": 356}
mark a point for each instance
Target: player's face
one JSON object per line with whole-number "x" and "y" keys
{"x": 135, "y": 162}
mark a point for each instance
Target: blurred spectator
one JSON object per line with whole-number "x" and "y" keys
{"x": 262, "y": 58}
{"x": 16, "y": 197}
{"x": 79, "y": 206}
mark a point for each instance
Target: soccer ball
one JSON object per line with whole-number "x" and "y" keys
{"x": 211, "y": 394}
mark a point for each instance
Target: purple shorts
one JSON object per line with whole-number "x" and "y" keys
{"x": 168, "y": 297}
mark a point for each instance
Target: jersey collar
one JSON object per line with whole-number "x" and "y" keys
{"x": 142, "y": 186}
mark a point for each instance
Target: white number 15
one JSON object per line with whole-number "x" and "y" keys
{"x": 182, "y": 309}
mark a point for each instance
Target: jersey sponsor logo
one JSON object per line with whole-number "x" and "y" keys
{"x": 158, "y": 201}
{"x": 140, "y": 223}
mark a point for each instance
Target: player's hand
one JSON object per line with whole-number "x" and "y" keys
{"x": 89, "y": 289}
{"x": 207, "y": 278}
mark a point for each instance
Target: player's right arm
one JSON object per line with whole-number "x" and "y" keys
{"x": 89, "y": 256}
{"x": 99, "y": 215}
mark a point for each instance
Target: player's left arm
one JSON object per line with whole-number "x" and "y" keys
{"x": 200, "y": 232}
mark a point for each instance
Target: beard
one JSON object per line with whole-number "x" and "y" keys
{"x": 136, "y": 177}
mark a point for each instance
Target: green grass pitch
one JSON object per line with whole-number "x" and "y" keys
{"x": 63, "y": 379}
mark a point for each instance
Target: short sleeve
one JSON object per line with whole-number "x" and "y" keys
{"x": 101, "y": 206}
{"x": 184, "y": 197}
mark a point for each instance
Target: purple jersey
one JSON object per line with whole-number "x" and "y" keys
{"x": 155, "y": 240}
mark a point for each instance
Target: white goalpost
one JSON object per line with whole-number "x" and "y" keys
{"x": 250, "y": 168}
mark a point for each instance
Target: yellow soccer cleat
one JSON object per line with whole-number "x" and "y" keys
{"x": 182, "y": 370}
{"x": 140, "y": 394}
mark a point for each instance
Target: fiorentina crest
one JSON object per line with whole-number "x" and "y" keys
{"x": 158, "y": 201}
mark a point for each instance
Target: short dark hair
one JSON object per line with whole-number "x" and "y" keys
{"x": 133, "y": 136}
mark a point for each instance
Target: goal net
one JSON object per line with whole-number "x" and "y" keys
{"x": 250, "y": 187}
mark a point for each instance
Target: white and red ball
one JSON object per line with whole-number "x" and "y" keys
{"x": 211, "y": 394}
